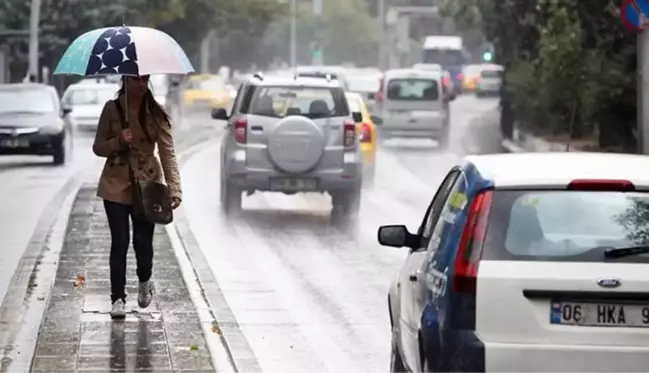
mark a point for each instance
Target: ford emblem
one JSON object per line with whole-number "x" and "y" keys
{"x": 608, "y": 282}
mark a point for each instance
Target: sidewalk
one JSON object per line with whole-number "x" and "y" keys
{"x": 77, "y": 333}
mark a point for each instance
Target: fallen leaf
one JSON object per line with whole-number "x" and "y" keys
{"x": 193, "y": 348}
{"x": 80, "y": 281}
{"x": 215, "y": 328}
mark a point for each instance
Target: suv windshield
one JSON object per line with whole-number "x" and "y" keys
{"x": 311, "y": 102}
{"x": 566, "y": 225}
{"x": 413, "y": 90}
{"x": 26, "y": 101}
{"x": 491, "y": 74}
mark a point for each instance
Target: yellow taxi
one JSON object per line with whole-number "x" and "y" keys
{"x": 367, "y": 132}
{"x": 470, "y": 76}
{"x": 208, "y": 91}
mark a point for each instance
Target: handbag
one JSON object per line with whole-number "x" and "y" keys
{"x": 150, "y": 198}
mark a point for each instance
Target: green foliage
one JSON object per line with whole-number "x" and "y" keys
{"x": 348, "y": 34}
{"x": 566, "y": 61}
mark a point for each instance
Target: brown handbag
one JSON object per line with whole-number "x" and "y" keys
{"x": 150, "y": 198}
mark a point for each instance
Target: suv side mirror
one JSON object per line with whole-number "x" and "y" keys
{"x": 377, "y": 120}
{"x": 396, "y": 236}
{"x": 358, "y": 117}
{"x": 219, "y": 114}
{"x": 66, "y": 110}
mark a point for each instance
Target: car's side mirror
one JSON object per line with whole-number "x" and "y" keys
{"x": 66, "y": 110}
{"x": 371, "y": 96}
{"x": 219, "y": 114}
{"x": 377, "y": 120}
{"x": 358, "y": 117}
{"x": 396, "y": 236}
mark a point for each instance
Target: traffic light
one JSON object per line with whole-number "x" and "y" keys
{"x": 487, "y": 56}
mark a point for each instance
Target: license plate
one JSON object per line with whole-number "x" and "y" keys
{"x": 600, "y": 314}
{"x": 14, "y": 143}
{"x": 287, "y": 184}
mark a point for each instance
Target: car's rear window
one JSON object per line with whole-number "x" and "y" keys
{"x": 311, "y": 102}
{"x": 566, "y": 225}
{"x": 491, "y": 74}
{"x": 411, "y": 89}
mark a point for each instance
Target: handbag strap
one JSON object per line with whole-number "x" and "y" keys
{"x": 124, "y": 121}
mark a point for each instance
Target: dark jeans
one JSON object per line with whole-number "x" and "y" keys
{"x": 118, "y": 220}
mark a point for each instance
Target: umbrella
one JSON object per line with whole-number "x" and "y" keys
{"x": 124, "y": 50}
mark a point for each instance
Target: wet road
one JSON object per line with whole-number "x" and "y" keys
{"x": 307, "y": 296}
{"x": 27, "y": 185}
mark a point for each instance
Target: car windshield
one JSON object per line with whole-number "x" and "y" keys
{"x": 444, "y": 57}
{"x": 311, "y": 102}
{"x": 210, "y": 84}
{"x": 30, "y": 100}
{"x": 566, "y": 225}
{"x": 364, "y": 84}
{"x": 491, "y": 74}
{"x": 89, "y": 96}
{"x": 411, "y": 89}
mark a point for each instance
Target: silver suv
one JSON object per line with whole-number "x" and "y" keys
{"x": 291, "y": 135}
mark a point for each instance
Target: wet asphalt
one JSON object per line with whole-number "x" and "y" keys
{"x": 306, "y": 295}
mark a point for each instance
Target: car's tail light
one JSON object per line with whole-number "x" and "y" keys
{"x": 602, "y": 185}
{"x": 241, "y": 130}
{"x": 365, "y": 133}
{"x": 446, "y": 81}
{"x": 349, "y": 133}
{"x": 470, "y": 251}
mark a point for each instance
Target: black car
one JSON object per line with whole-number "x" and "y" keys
{"x": 32, "y": 122}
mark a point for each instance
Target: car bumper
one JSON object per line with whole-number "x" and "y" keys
{"x": 250, "y": 179}
{"x": 34, "y": 144}
{"x": 505, "y": 357}
{"x": 429, "y": 128}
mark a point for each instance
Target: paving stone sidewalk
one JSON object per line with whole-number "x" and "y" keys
{"x": 77, "y": 333}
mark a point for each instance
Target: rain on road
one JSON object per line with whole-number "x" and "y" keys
{"x": 307, "y": 296}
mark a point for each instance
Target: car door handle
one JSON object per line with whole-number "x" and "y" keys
{"x": 413, "y": 277}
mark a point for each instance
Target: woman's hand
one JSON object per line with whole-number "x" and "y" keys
{"x": 126, "y": 136}
{"x": 175, "y": 202}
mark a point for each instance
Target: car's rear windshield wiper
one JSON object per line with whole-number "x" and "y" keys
{"x": 621, "y": 252}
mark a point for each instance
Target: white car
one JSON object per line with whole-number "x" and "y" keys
{"x": 527, "y": 262}
{"x": 85, "y": 101}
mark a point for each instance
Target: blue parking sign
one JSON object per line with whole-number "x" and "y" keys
{"x": 634, "y": 14}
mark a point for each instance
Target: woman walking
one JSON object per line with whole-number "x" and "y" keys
{"x": 148, "y": 125}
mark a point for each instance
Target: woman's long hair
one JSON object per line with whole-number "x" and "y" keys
{"x": 149, "y": 104}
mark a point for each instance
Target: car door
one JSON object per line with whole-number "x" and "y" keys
{"x": 409, "y": 274}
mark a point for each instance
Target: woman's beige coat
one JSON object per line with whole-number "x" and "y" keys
{"x": 114, "y": 183}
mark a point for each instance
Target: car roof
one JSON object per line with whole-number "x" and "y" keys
{"x": 298, "y": 81}
{"x": 548, "y": 170}
{"x": 413, "y": 73}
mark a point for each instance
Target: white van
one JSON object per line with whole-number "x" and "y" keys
{"x": 413, "y": 103}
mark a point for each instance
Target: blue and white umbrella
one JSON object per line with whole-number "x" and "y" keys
{"x": 124, "y": 50}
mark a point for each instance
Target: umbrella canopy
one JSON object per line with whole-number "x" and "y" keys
{"x": 124, "y": 50}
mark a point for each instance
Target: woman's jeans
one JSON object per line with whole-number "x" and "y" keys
{"x": 118, "y": 220}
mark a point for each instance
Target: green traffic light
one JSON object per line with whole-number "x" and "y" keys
{"x": 487, "y": 56}
{"x": 316, "y": 53}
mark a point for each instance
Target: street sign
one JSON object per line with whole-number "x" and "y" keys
{"x": 635, "y": 14}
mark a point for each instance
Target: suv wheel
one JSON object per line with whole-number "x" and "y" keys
{"x": 230, "y": 197}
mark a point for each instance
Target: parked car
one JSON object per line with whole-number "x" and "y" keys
{"x": 291, "y": 135}
{"x": 32, "y": 122}
{"x": 533, "y": 262}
